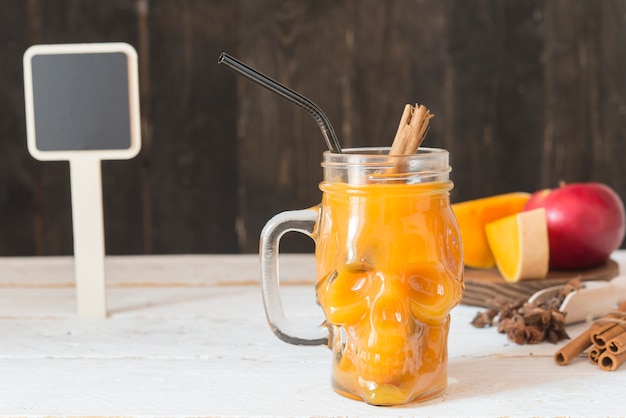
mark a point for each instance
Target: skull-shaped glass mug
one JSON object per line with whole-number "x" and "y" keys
{"x": 389, "y": 264}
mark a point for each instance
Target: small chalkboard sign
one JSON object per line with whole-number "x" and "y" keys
{"x": 82, "y": 105}
{"x": 82, "y": 99}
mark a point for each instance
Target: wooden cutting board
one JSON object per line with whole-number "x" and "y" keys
{"x": 484, "y": 284}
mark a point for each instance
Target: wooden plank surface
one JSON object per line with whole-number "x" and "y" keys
{"x": 18, "y": 206}
{"x": 192, "y": 156}
{"x": 395, "y": 56}
{"x": 578, "y": 143}
{"x": 280, "y": 145}
{"x": 190, "y": 348}
{"x": 493, "y": 96}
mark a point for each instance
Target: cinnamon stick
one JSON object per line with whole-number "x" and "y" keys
{"x": 599, "y": 336}
{"x": 617, "y": 344}
{"x": 411, "y": 130}
{"x": 399, "y": 144}
{"x": 575, "y": 347}
{"x": 594, "y": 354}
{"x": 610, "y": 361}
{"x": 417, "y": 127}
{"x": 613, "y": 330}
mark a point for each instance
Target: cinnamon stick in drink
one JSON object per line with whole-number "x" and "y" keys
{"x": 417, "y": 129}
{"x": 399, "y": 141}
{"x": 411, "y": 130}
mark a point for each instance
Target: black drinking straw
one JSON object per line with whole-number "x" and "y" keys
{"x": 287, "y": 93}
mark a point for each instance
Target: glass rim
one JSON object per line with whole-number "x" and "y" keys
{"x": 383, "y": 151}
{"x": 379, "y": 158}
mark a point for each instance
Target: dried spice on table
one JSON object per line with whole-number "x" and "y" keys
{"x": 527, "y": 323}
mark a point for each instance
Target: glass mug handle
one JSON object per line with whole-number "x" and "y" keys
{"x": 303, "y": 221}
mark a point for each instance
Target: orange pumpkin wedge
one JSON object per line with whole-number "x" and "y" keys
{"x": 473, "y": 215}
{"x": 520, "y": 245}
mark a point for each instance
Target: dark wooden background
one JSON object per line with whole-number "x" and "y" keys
{"x": 526, "y": 93}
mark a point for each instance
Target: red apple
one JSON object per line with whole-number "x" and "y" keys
{"x": 586, "y": 223}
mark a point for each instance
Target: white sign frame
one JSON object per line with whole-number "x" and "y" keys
{"x": 133, "y": 89}
{"x": 85, "y": 174}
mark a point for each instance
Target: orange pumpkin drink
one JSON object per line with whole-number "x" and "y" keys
{"x": 389, "y": 263}
{"x": 390, "y": 269}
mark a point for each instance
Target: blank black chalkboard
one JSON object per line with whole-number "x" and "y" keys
{"x": 80, "y": 98}
{"x": 81, "y": 101}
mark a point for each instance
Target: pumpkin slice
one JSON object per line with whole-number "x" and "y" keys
{"x": 473, "y": 215}
{"x": 519, "y": 244}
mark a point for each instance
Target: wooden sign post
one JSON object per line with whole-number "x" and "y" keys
{"x": 82, "y": 105}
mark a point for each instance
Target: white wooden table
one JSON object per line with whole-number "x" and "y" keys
{"x": 187, "y": 336}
